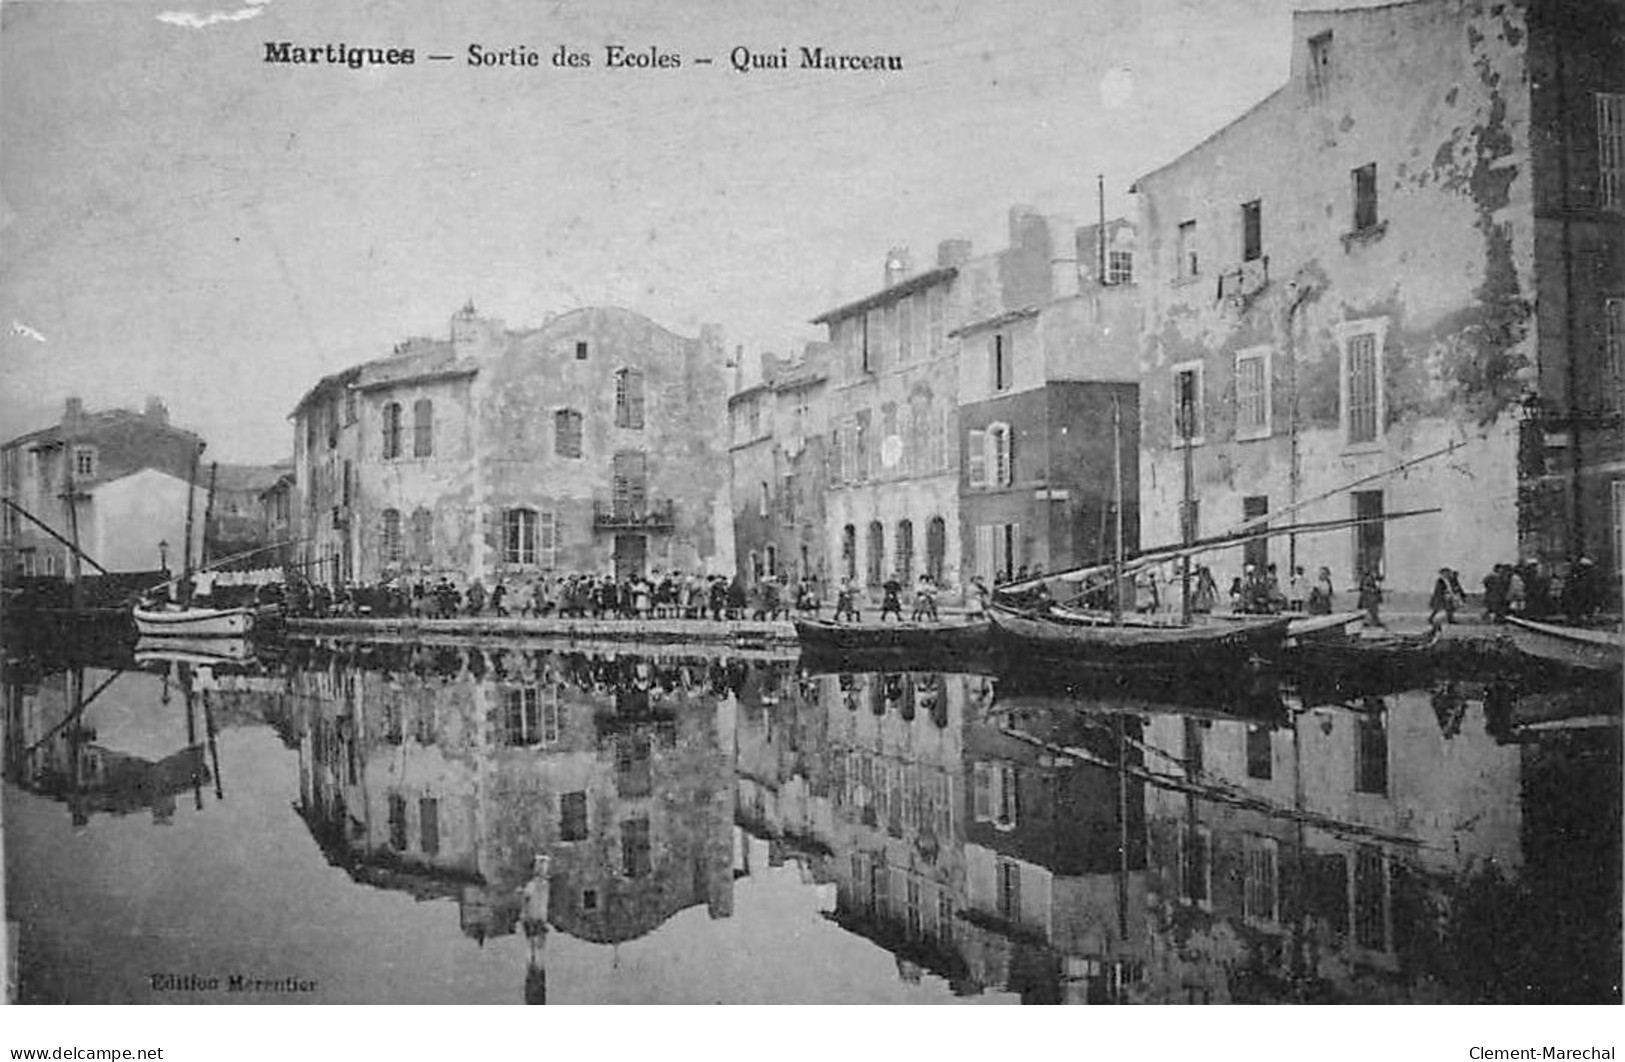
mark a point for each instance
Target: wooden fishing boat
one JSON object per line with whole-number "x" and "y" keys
{"x": 936, "y": 637}
{"x": 1568, "y": 647}
{"x": 1081, "y": 640}
{"x": 195, "y": 622}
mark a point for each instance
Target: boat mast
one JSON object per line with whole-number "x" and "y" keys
{"x": 186, "y": 559}
{"x": 1117, "y": 508}
{"x": 1187, "y": 518}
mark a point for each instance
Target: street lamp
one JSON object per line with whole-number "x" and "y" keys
{"x": 163, "y": 555}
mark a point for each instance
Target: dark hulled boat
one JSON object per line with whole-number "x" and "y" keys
{"x": 1077, "y": 641}
{"x": 825, "y": 636}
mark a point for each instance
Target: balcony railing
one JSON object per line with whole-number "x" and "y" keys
{"x": 654, "y": 515}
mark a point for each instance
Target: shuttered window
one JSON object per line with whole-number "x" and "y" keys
{"x": 629, "y": 399}
{"x": 1611, "y": 150}
{"x": 976, "y": 454}
{"x": 1262, "y": 892}
{"x": 423, "y": 428}
{"x": 1360, "y": 388}
{"x": 631, "y": 482}
{"x": 567, "y": 433}
{"x": 391, "y": 547}
{"x": 392, "y": 430}
{"x": 1252, "y": 394}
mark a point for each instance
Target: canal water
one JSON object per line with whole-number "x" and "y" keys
{"x": 332, "y": 824}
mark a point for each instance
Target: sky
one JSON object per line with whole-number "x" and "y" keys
{"x": 180, "y": 218}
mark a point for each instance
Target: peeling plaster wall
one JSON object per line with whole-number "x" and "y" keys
{"x": 1436, "y": 94}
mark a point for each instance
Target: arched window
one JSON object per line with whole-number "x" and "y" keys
{"x": 936, "y": 547}
{"x": 849, "y": 552}
{"x": 772, "y": 561}
{"x": 877, "y": 553}
{"x": 423, "y": 428}
{"x": 422, "y": 536}
{"x": 391, "y": 547}
{"x": 765, "y": 505}
{"x": 905, "y": 551}
{"x": 519, "y": 536}
{"x": 392, "y": 430}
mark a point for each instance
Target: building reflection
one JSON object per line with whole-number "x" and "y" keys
{"x": 1080, "y": 846}
{"x": 53, "y": 745}
{"x": 450, "y": 772}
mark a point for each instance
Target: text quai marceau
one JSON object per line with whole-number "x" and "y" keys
{"x": 741, "y": 58}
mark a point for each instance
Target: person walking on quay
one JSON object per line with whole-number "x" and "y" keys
{"x": 499, "y": 594}
{"x": 524, "y": 597}
{"x": 1206, "y": 595}
{"x": 1297, "y": 591}
{"x": 1515, "y": 593}
{"x": 925, "y": 598}
{"x": 976, "y": 600}
{"x": 476, "y": 597}
{"x": 1273, "y": 599}
{"x": 1321, "y": 594}
{"x": 845, "y": 603}
{"x": 1371, "y": 597}
{"x": 1443, "y": 600}
{"x": 891, "y": 598}
{"x": 806, "y": 598}
{"x": 1496, "y": 585}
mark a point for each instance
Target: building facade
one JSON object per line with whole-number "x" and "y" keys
{"x": 1393, "y": 285}
{"x": 114, "y": 480}
{"x": 892, "y": 504}
{"x": 1047, "y": 389}
{"x": 779, "y": 469}
{"x": 593, "y": 443}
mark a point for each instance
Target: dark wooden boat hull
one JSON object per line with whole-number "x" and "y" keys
{"x": 1566, "y": 647}
{"x": 936, "y": 638}
{"x": 1223, "y": 647}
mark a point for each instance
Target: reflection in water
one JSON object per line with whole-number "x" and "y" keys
{"x": 635, "y": 828}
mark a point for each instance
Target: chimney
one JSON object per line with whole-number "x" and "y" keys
{"x": 1022, "y": 218}
{"x": 73, "y": 411}
{"x": 897, "y": 266}
{"x": 951, "y": 253}
{"x": 471, "y": 334}
{"x": 1063, "y": 257}
{"x": 156, "y": 411}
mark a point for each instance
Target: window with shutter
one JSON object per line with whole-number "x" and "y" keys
{"x": 423, "y": 428}
{"x": 392, "y": 430}
{"x": 629, "y": 400}
{"x": 1362, "y": 389}
{"x": 976, "y": 456}
{"x": 567, "y": 433}
{"x": 631, "y": 483}
{"x": 392, "y": 536}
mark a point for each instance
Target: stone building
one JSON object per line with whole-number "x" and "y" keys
{"x": 1039, "y": 380}
{"x": 593, "y": 443}
{"x": 892, "y": 503}
{"x": 116, "y": 479}
{"x": 1395, "y": 284}
{"x": 779, "y": 469}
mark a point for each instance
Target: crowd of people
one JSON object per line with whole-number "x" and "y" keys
{"x": 1577, "y": 593}
{"x": 661, "y": 595}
